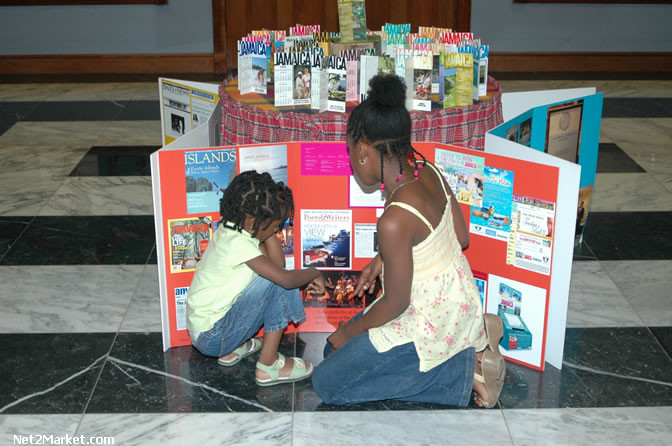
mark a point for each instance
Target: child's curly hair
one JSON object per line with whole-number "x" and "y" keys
{"x": 257, "y": 195}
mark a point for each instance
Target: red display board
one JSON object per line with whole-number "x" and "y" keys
{"x": 320, "y": 177}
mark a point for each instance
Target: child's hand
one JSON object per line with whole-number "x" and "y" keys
{"x": 316, "y": 286}
{"x": 368, "y": 276}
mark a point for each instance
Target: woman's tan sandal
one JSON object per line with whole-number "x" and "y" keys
{"x": 493, "y": 369}
{"x": 242, "y": 352}
{"x": 494, "y": 330}
{"x": 300, "y": 371}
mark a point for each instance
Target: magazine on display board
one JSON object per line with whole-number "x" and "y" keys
{"x": 326, "y": 238}
{"x": 207, "y": 174}
{"x": 188, "y": 239}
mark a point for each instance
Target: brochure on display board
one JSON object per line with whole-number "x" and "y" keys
{"x": 185, "y": 105}
{"x": 335, "y": 230}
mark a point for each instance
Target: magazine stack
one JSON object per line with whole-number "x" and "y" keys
{"x": 308, "y": 67}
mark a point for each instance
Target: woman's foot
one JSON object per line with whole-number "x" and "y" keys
{"x": 283, "y": 370}
{"x": 480, "y": 391}
{"x": 489, "y": 373}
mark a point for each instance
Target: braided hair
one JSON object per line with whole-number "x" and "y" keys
{"x": 383, "y": 121}
{"x": 257, "y": 195}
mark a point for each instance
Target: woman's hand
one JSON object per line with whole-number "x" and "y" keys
{"x": 340, "y": 337}
{"x": 368, "y": 277}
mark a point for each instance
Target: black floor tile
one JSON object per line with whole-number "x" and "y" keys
{"x": 612, "y": 159}
{"x": 140, "y": 378}
{"x": 76, "y": 111}
{"x": 10, "y": 230}
{"x": 152, "y": 259}
{"x": 664, "y": 337}
{"x": 630, "y": 235}
{"x": 637, "y": 108}
{"x": 6, "y": 125}
{"x": 115, "y": 161}
{"x": 602, "y": 367}
{"x": 12, "y": 112}
{"x": 34, "y": 363}
{"x": 140, "y": 111}
{"x": 583, "y": 252}
{"x": 16, "y": 111}
{"x": 99, "y": 240}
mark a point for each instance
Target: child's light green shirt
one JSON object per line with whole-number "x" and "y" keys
{"x": 220, "y": 278}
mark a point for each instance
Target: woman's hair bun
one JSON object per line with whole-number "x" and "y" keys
{"x": 387, "y": 90}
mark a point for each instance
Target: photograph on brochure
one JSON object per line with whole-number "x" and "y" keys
{"x": 270, "y": 159}
{"x": 207, "y": 174}
{"x": 325, "y": 238}
{"x": 493, "y": 218}
{"x": 188, "y": 239}
{"x": 340, "y": 292}
{"x": 585, "y": 194}
{"x": 525, "y": 132}
{"x": 563, "y": 130}
{"x": 464, "y": 174}
{"x": 512, "y": 133}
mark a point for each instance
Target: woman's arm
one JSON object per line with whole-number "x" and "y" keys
{"x": 395, "y": 243}
{"x": 288, "y": 279}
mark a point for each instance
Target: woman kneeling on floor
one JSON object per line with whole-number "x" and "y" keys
{"x": 426, "y": 339}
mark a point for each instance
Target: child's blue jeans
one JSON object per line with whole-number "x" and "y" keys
{"x": 357, "y": 373}
{"x": 262, "y": 303}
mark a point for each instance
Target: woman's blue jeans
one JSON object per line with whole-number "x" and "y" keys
{"x": 262, "y": 303}
{"x": 357, "y": 373}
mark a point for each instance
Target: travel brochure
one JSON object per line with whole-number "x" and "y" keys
{"x": 531, "y": 238}
{"x": 493, "y": 217}
{"x": 465, "y": 175}
{"x": 452, "y": 66}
